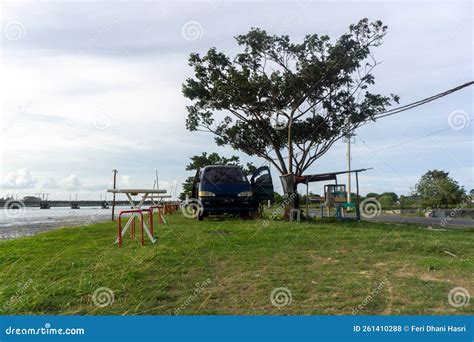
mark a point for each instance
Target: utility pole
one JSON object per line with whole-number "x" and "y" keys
{"x": 113, "y": 200}
{"x": 290, "y": 145}
{"x": 349, "y": 169}
{"x": 348, "y": 137}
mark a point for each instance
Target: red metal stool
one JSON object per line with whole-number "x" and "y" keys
{"x": 132, "y": 228}
{"x": 151, "y": 210}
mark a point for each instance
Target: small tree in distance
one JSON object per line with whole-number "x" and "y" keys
{"x": 437, "y": 189}
{"x": 372, "y": 195}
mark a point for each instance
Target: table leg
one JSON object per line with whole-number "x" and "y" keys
{"x": 129, "y": 222}
{"x": 132, "y": 217}
{"x": 147, "y": 230}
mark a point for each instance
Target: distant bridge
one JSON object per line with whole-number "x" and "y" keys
{"x": 36, "y": 204}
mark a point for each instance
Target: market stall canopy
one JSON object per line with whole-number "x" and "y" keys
{"x": 305, "y": 179}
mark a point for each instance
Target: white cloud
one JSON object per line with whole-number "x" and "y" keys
{"x": 126, "y": 181}
{"x": 20, "y": 179}
{"x": 79, "y": 61}
{"x": 70, "y": 182}
{"x": 49, "y": 183}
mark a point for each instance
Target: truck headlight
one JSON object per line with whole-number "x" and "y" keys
{"x": 206, "y": 194}
{"x": 245, "y": 194}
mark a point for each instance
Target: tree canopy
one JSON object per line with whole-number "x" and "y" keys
{"x": 436, "y": 189}
{"x": 319, "y": 88}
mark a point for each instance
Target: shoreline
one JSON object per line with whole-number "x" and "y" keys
{"x": 30, "y": 229}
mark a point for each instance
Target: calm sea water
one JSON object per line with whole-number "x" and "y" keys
{"x": 28, "y": 221}
{"x": 18, "y": 217}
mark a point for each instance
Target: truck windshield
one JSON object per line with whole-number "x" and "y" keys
{"x": 223, "y": 175}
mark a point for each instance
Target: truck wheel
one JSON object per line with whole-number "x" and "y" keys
{"x": 244, "y": 215}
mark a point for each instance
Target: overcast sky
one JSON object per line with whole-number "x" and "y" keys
{"x": 91, "y": 86}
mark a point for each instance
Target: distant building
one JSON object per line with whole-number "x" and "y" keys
{"x": 31, "y": 199}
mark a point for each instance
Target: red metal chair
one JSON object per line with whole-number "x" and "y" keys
{"x": 132, "y": 228}
{"x": 151, "y": 210}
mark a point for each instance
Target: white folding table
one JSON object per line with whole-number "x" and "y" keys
{"x": 158, "y": 199}
{"x": 144, "y": 194}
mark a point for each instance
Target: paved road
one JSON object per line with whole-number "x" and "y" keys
{"x": 438, "y": 222}
{"x": 435, "y": 222}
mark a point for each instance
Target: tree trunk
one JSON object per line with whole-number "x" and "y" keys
{"x": 291, "y": 200}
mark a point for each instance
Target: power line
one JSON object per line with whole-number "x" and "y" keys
{"x": 413, "y": 105}
{"x": 419, "y": 103}
{"x": 423, "y": 101}
{"x": 411, "y": 140}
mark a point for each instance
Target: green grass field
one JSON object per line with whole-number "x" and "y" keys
{"x": 232, "y": 267}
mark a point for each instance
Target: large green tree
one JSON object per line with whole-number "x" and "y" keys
{"x": 287, "y": 102}
{"x": 204, "y": 159}
{"x": 437, "y": 189}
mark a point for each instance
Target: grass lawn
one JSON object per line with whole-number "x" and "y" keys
{"x": 232, "y": 267}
